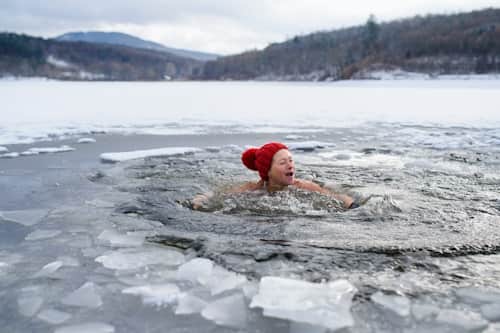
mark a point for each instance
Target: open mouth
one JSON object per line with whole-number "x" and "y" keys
{"x": 289, "y": 174}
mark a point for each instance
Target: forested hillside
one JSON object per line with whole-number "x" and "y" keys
{"x": 435, "y": 44}
{"x": 26, "y": 56}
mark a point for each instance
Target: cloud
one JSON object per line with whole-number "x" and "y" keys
{"x": 221, "y": 26}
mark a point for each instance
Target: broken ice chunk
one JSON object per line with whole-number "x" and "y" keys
{"x": 137, "y": 258}
{"x": 163, "y": 294}
{"x": 42, "y": 234}
{"x": 467, "y": 321}
{"x": 53, "y": 316}
{"x": 320, "y": 304}
{"x": 422, "y": 311}
{"x": 24, "y": 217}
{"x": 228, "y": 311}
{"x": 400, "y": 305}
{"x": 188, "y": 304}
{"x": 475, "y": 295}
{"x": 49, "y": 269}
{"x": 87, "y": 328}
{"x": 222, "y": 280}
{"x": 116, "y": 239}
{"x": 3, "y": 149}
{"x": 491, "y": 311}
{"x": 196, "y": 270}
{"x": 68, "y": 261}
{"x": 86, "y": 140}
{"x": 302, "y": 327}
{"x": 85, "y": 296}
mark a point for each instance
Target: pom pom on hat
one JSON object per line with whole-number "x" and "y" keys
{"x": 248, "y": 158}
{"x": 260, "y": 159}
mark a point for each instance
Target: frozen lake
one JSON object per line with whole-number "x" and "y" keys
{"x": 33, "y": 110}
{"x": 87, "y": 246}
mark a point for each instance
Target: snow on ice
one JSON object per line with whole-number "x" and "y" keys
{"x": 131, "y": 155}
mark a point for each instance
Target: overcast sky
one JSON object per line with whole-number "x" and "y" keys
{"x": 218, "y": 26}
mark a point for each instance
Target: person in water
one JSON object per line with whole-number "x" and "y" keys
{"x": 276, "y": 169}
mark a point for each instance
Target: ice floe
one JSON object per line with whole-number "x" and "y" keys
{"x": 25, "y": 217}
{"x": 3, "y": 149}
{"x": 323, "y": 304}
{"x": 95, "y": 327}
{"x": 86, "y": 140}
{"x": 308, "y": 145}
{"x": 188, "y": 304}
{"x": 196, "y": 270}
{"x": 131, "y": 155}
{"x": 85, "y": 296}
{"x": 48, "y": 150}
{"x": 126, "y": 259}
{"x": 467, "y": 321}
{"x": 114, "y": 238}
{"x": 9, "y": 155}
{"x": 163, "y": 294}
{"x": 48, "y": 269}
{"x": 42, "y": 234}
{"x": 53, "y": 316}
{"x": 397, "y": 304}
{"x": 227, "y": 311}
{"x": 29, "y": 305}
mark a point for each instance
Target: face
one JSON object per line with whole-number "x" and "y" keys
{"x": 282, "y": 170}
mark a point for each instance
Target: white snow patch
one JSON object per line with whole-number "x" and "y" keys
{"x": 228, "y": 311}
{"x": 96, "y": 327}
{"x": 53, "y": 316}
{"x": 85, "y": 296}
{"x": 320, "y": 304}
{"x": 131, "y": 155}
{"x": 42, "y": 234}
{"x": 24, "y": 217}
{"x": 86, "y": 140}
{"x": 397, "y": 304}
{"x": 58, "y": 62}
{"x": 137, "y": 258}
{"x": 163, "y": 294}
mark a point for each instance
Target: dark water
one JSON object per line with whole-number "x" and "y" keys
{"x": 427, "y": 228}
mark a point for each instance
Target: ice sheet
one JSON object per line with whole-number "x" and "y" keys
{"x": 42, "y": 234}
{"x": 397, "y": 304}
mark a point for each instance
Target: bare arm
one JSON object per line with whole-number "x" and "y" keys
{"x": 310, "y": 186}
{"x": 200, "y": 199}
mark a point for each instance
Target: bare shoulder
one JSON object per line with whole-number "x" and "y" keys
{"x": 307, "y": 185}
{"x": 248, "y": 186}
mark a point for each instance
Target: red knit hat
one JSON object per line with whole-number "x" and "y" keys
{"x": 260, "y": 159}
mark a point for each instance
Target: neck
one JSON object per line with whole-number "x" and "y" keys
{"x": 272, "y": 187}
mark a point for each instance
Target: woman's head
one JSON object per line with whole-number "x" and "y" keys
{"x": 273, "y": 161}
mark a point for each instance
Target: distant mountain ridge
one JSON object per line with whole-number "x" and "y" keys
{"x": 27, "y": 56}
{"x": 464, "y": 43}
{"x": 118, "y": 38}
